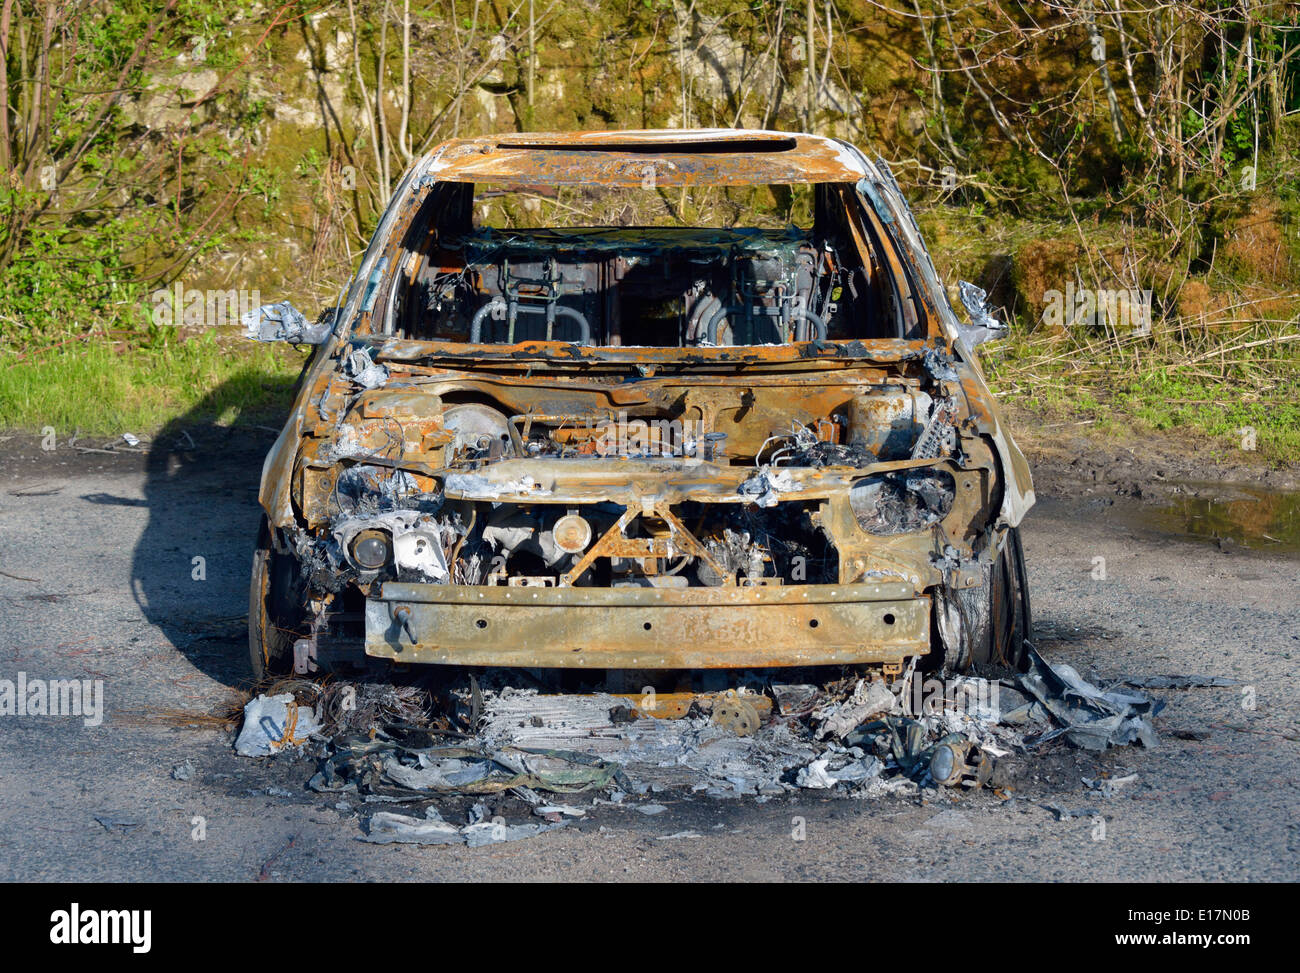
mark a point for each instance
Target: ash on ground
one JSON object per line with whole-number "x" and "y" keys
{"x": 492, "y": 738}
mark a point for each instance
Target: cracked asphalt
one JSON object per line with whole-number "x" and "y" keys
{"x": 99, "y": 580}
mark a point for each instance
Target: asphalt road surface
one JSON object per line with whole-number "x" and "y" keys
{"x": 100, "y": 582}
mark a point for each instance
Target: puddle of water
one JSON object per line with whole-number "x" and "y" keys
{"x": 1267, "y": 520}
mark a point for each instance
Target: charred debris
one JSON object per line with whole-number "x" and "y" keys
{"x": 560, "y": 754}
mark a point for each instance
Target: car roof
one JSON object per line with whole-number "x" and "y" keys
{"x": 659, "y": 158}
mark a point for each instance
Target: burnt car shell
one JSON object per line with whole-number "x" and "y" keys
{"x": 488, "y": 463}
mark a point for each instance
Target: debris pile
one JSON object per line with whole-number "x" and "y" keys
{"x": 387, "y": 744}
{"x": 360, "y": 706}
{"x": 276, "y": 723}
{"x": 1086, "y": 716}
{"x": 385, "y": 827}
{"x": 381, "y": 768}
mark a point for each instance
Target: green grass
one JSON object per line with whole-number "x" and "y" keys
{"x": 1165, "y": 401}
{"x": 98, "y": 389}
{"x": 1205, "y": 382}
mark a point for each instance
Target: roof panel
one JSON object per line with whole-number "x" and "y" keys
{"x": 672, "y": 157}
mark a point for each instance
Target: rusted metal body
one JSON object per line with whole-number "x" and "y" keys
{"x": 643, "y": 628}
{"x": 489, "y": 465}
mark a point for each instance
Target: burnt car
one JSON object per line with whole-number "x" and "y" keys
{"x": 642, "y": 401}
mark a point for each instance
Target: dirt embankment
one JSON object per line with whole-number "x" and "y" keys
{"x": 1068, "y": 461}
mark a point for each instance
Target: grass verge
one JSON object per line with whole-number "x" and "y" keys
{"x": 1241, "y": 387}
{"x": 101, "y": 388}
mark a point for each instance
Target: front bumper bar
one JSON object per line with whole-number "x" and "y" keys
{"x": 647, "y": 628}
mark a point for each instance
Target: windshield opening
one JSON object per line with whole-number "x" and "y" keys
{"x": 617, "y": 266}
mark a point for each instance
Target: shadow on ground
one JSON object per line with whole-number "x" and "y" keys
{"x": 190, "y": 569}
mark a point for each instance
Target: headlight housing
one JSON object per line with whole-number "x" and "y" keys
{"x": 901, "y": 502}
{"x": 370, "y": 550}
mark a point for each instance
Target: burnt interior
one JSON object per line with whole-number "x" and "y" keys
{"x": 664, "y": 286}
